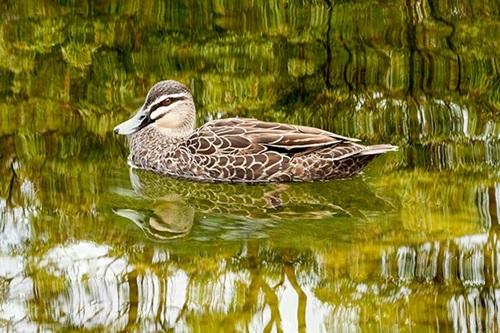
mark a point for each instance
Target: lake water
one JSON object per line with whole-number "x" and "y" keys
{"x": 412, "y": 244}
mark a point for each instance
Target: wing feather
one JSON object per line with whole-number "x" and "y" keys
{"x": 246, "y": 135}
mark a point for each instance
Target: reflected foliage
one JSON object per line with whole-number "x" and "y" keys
{"x": 86, "y": 245}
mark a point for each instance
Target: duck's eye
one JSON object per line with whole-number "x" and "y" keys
{"x": 166, "y": 101}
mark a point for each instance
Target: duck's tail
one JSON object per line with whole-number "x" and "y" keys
{"x": 378, "y": 149}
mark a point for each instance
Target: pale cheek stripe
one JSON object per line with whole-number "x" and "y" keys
{"x": 158, "y": 113}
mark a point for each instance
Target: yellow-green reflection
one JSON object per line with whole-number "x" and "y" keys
{"x": 88, "y": 245}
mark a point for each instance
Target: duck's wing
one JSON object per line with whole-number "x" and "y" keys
{"x": 251, "y": 136}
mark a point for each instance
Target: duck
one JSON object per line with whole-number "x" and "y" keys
{"x": 163, "y": 140}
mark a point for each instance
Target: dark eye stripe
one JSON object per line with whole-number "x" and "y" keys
{"x": 172, "y": 101}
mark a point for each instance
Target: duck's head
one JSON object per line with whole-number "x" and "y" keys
{"x": 169, "y": 106}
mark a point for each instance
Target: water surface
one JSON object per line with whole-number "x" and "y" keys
{"x": 86, "y": 244}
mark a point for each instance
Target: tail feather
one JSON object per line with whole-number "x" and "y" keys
{"x": 378, "y": 149}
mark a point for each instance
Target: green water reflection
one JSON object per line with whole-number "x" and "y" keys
{"x": 413, "y": 244}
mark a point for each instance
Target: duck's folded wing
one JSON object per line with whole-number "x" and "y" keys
{"x": 250, "y": 136}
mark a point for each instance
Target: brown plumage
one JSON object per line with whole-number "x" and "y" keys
{"x": 236, "y": 150}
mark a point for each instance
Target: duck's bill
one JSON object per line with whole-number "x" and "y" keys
{"x": 134, "y": 124}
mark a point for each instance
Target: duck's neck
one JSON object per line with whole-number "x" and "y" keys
{"x": 173, "y": 135}
{"x": 155, "y": 137}
{"x": 152, "y": 144}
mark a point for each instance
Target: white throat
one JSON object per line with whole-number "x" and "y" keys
{"x": 172, "y": 133}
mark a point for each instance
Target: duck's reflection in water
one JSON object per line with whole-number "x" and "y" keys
{"x": 176, "y": 203}
{"x": 170, "y": 218}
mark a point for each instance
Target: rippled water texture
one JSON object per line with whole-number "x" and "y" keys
{"x": 88, "y": 245}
